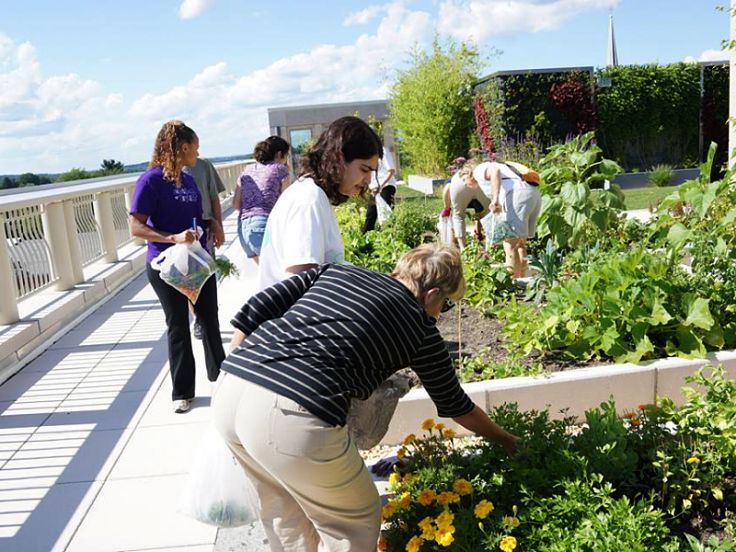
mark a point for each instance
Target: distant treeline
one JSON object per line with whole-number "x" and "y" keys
{"x": 108, "y": 167}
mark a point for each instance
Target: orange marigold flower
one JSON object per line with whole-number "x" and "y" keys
{"x": 644, "y": 406}
{"x": 428, "y": 529}
{"x": 629, "y": 415}
{"x": 394, "y": 479}
{"x": 405, "y": 499}
{"x": 635, "y": 423}
{"x": 408, "y": 477}
{"x": 414, "y": 544}
{"x": 462, "y": 487}
{"x": 388, "y": 511}
{"x": 449, "y": 433}
{"x": 447, "y": 497}
{"x": 426, "y": 522}
{"x": 439, "y": 426}
{"x": 513, "y": 521}
{"x": 427, "y": 424}
{"x": 382, "y": 545}
{"x": 409, "y": 439}
{"x": 444, "y": 536}
{"x": 507, "y": 544}
{"x": 401, "y": 453}
{"x": 426, "y": 497}
{"x": 483, "y": 508}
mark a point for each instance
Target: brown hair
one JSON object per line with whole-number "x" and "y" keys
{"x": 266, "y": 150}
{"x": 467, "y": 169}
{"x": 432, "y": 266}
{"x": 167, "y": 149}
{"x": 345, "y": 140}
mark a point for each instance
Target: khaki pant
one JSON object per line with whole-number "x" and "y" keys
{"x": 314, "y": 489}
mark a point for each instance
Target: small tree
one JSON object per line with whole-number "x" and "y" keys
{"x": 431, "y": 108}
{"x": 110, "y": 166}
{"x": 73, "y": 174}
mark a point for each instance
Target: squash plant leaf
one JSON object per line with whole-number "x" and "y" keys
{"x": 698, "y": 314}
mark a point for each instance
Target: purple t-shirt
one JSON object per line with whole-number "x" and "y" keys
{"x": 169, "y": 208}
{"x": 260, "y": 186}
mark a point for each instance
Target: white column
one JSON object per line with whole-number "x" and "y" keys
{"x": 75, "y": 252}
{"x": 54, "y": 229}
{"x": 103, "y": 216}
{"x": 8, "y": 299}
{"x": 732, "y": 88}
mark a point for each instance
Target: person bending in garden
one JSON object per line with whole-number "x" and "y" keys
{"x": 302, "y": 350}
{"x": 165, "y": 201}
{"x": 462, "y": 193}
{"x": 510, "y": 191}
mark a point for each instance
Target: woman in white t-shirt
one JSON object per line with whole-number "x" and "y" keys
{"x": 302, "y": 230}
{"x": 383, "y": 185}
{"x": 522, "y": 202}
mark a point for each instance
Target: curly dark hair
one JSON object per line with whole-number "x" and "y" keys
{"x": 167, "y": 149}
{"x": 345, "y": 140}
{"x": 266, "y": 150}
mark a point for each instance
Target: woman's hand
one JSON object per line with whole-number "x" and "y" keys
{"x": 510, "y": 443}
{"x": 187, "y": 236}
{"x": 495, "y": 207}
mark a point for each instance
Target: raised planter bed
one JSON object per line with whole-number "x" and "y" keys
{"x": 425, "y": 184}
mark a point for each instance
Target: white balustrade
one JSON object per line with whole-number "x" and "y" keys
{"x": 49, "y": 233}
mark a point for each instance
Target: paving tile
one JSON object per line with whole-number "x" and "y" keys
{"x": 117, "y": 415}
{"x": 159, "y": 450}
{"x": 149, "y": 505}
{"x": 63, "y": 359}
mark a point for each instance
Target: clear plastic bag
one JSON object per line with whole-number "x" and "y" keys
{"x": 444, "y": 227}
{"x": 185, "y": 267}
{"x": 496, "y": 228}
{"x": 217, "y": 491}
{"x": 383, "y": 209}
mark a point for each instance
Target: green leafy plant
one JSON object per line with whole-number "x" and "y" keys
{"x": 482, "y": 367}
{"x": 544, "y": 267}
{"x": 661, "y": 176}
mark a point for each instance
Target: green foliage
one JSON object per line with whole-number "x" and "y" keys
{"x": 571, "y": 215}
{"x": 661, "y": 175}
{"x": 110, "y": 166}
{"x": 74, "y": 174}
{"x": 430, "y": 105}
{"x": 483, "y": 367}
{"x": 488, "y": 281}
{"x": 650, "y": 113}
{"x": 30, "y": 179}
{"x": 544, "y": 268}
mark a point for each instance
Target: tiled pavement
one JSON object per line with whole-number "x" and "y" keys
{"x": 92, "y": 457}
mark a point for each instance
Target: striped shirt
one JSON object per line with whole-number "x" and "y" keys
{"x": 336, "y": 332}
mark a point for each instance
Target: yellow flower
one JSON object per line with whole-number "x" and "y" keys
{"x": 394, "y": 479}
{"x": 382, "y": 546}
{"x": 414, "y": 544}
{"x": 462, "y": 487}
{"x": 405, "y": 499}
{"x": 445, "y": 519}
{"x": 513, "y": 521}
{"x": 428, "y": 530}
{"x": 444, "y": 536}
{"x": 427, "y": 424}
{"x": 447, "y": 497}
{"x": 449, "y": 433}
{"x": 483, "y": 508}
{"x": 409, "y": 439}
{"x": 426, "y": 497}
{"x": 693, "y": 460}
{"x": 388, "y": 511}
{"x": 439, "y": 427}
{"x": 507, "y": 544}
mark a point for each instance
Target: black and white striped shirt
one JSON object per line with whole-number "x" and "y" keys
{"x": 336, "y": 332}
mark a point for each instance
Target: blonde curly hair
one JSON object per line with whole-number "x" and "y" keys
{"x": 167, "y": 149}
{"x": 432, "y": 266}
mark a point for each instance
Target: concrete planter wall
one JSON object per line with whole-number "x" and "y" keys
{"x": 425, "y": 184}
{"x": 568, "y": 393}
{"x": 641, "y": 179}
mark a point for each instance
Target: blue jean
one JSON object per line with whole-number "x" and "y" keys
{"x": 250, "y": 234}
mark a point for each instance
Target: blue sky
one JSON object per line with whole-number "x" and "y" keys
{"x": 85, "y": 80}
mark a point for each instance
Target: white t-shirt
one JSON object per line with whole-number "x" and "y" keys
{"x": 508, "y": 177}
{"x": 301, "y": 229}
{"x": 384, "y": 165}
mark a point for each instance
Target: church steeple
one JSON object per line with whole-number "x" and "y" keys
{"x": 612, "y": 57}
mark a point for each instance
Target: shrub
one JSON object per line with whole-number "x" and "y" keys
{"x": 661, "y": 176}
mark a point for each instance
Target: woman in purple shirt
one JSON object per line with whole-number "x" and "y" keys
{"x": 164, "y": 203}
{"x": 258, "y": 189}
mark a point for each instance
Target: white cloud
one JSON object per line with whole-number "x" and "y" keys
{"x": 189, "y": 9}
{"x": 480, "y": 19}
{"x": 710, "y": 55}
{"x": 363, "y": 16}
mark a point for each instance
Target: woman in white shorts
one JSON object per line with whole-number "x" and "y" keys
{"x": 522, "y": 202}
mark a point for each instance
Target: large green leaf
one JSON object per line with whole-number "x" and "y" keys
{"x": 688, "y": 345}
{"x": 574, "y": 194}
{"x": 678, "y": 235}
{"x": 698, "y": 314}
{"x": 659, "y": 314}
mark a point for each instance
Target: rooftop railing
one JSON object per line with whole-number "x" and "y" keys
{"x": 50, "y": 233}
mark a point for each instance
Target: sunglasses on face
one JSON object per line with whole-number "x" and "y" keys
{"x": 447, "y": 305}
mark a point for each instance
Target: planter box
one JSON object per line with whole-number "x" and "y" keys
{"x": 425, "y": 184}
{"x": 641, "y": 179}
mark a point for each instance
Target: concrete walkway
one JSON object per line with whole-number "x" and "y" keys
{"x": 92, "y": 457}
